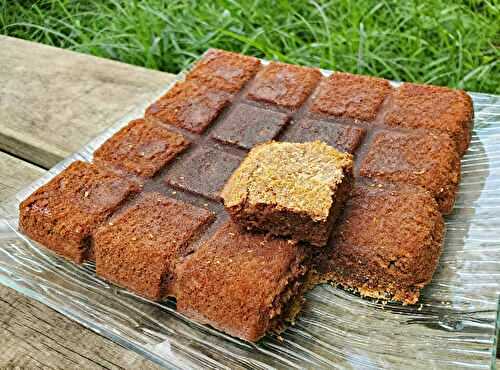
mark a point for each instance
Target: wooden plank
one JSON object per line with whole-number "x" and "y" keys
{"x": 52, "y": 101}
{"x": 34, "y": 336}
{"x": 15, "y": 175}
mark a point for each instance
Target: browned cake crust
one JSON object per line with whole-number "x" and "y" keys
{"x": 284, "y": 85}
{"x": 351, "y": 96}
{"x": 387, "y": 244}
{"x": 340, "y": 136}
{"x": 204, "y": 172}
{"x": 140, "y": 248}
{"x": 244, "y": 284}
{"x": 290, "y": 190}
{"x": 141, "y": 148}
{"x": 245, "y": 126}
{"x": 224, "y": 70}
{"x": 189, "y": 105}
{"x": 63, "y": 214}
{"x": 433, "y": 107}
{"x": 298, "y": 226}
{"x": 428, "y": 159}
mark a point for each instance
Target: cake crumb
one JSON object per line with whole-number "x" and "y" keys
{"x": 291, "y": 190}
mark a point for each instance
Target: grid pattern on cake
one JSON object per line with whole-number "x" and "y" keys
{"x": 140, "y": 248}
{"x": 204, "y": 171}
{"x": 246, "y": 125}
{"x": 361, "y": 115}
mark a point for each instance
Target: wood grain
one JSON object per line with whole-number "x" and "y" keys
{"x": 52, "y": 101}
{"x": 15, "y": 175}
{"x": 34, "y": 336}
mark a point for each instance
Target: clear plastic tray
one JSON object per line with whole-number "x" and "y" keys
{"x": 454, "y": 326}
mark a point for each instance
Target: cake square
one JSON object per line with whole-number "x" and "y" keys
{"x": 190, "y": 105}
{"x": 64, "y": 213}
{"x": 351, "y": 96}
{"x": 433, "y": 107}
{"x": 387, "y": 243}
{"x": 140, "y": 248}
{"x": 284, "y": 85}
{"x": 244, "y": 284}
{"x": 427, "y": 159}
{"x": 203, "y": 172}
{"x": 245, "y": 126}
{"x": 141, "y": 148}
{"x": 224, "y": 70}
{"x": 290, "y": 190}
{"x": 342, "y": 137}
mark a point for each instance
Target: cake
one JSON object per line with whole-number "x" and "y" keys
{"x": 246, "y": 125}
{"x": 284, "y": 85}
{"x": 291, "y": 190}
{"x": 343, "y": 137}
{"x": 63, "y": 214}
{"x": 433, "y": 107}
{"x": 189, "y": 105}
{"x": 195, "y": 103}
{"x": 224, "y": 70}
{"x": 244, "y": 284}
{"x": 141, "y": 148}
{"x": 204, "y": 172}
{"x": 351, "y": 96}
{"x": 266, "y": 141}
{"x": 428, "y": 159}
{"x": 387, "y": 243}
{"x": 140, "y": 248}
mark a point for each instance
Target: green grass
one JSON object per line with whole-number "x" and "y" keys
{"x": 436, "y": 41}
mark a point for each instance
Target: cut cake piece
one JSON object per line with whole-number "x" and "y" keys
{"x": 140, "y": 248}
{"x": 425, "y": 158}
{"x": 433, "y": 107}
{"x": 295, "y": 190}
{"x": 244, "y": 284}
{"x": 224, "y": 70}
{"x": 141, "y": 148}
{"x": 387, "y": 243}
{"x": 64, "y": 213}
